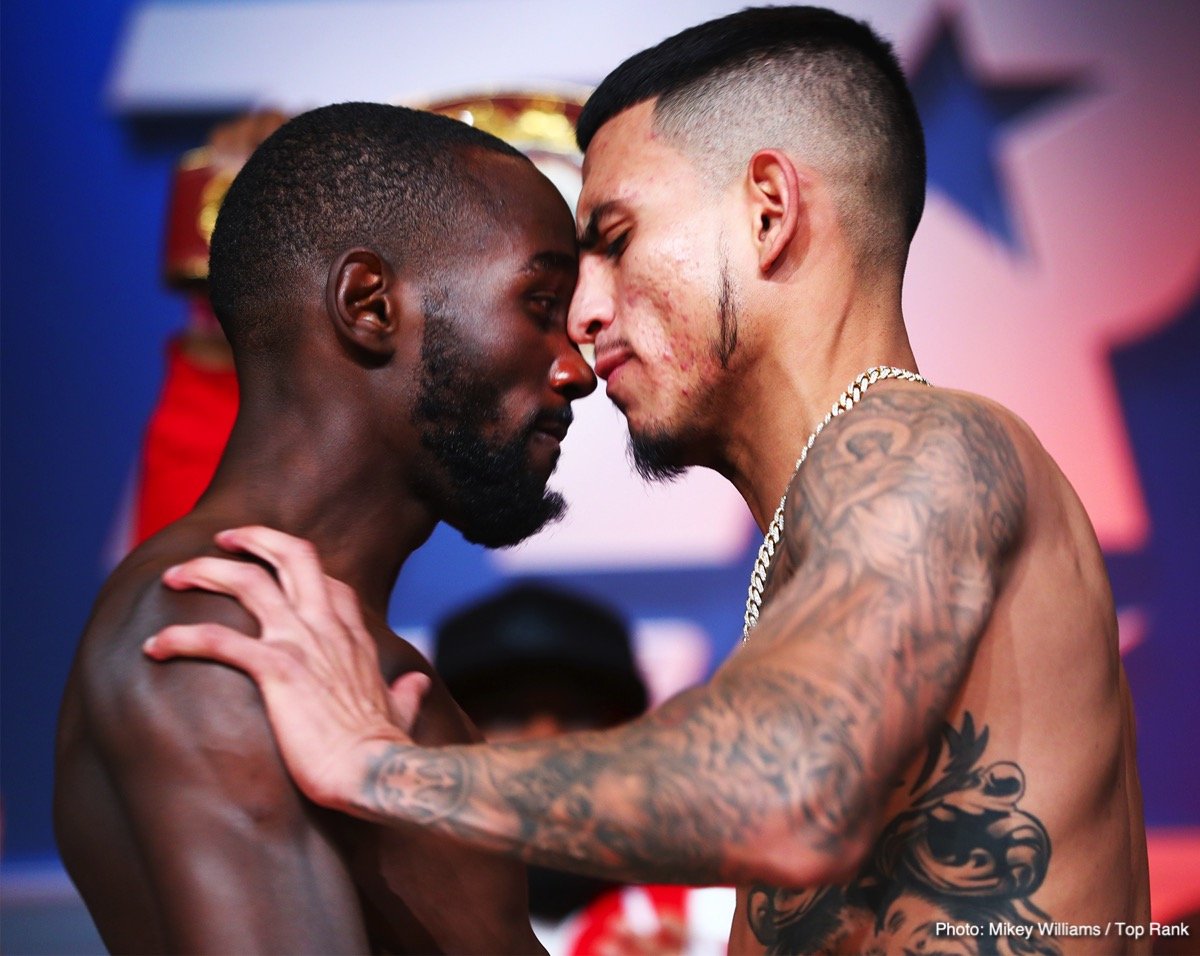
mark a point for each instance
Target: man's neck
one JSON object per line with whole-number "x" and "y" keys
{"x": 330, "y": 486}
{"x": 801, "y": 368}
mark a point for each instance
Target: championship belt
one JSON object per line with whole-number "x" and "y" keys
{"x": 198, "y": 187}
{"x": 539, "y": 123}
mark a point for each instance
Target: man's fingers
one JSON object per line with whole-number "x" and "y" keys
{"x": 405, "y": 696}
{"x": 295, "y": 561}
{"x": 257, "y": 591}
{"x": 215, "y": 642}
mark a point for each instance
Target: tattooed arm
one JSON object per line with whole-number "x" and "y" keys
{"x": 898, "y": 529}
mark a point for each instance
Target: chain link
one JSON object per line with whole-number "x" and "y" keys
{"x": 766, "y": 552}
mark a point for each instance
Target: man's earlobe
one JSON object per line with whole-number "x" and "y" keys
{"x": 778, "y": 207}
{"x": 361, "y": 302}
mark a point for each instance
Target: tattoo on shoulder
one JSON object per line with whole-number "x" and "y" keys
{"x": 923, "y": 496}
{"x": 955, "y": 870}
{"x": 931, "y": 452}
{"x": 897, "y": 533}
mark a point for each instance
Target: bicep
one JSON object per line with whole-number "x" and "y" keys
{"x": 236, "y": 858}
{"x": 900, "y": 525}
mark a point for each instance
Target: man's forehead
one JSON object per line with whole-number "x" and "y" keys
{"x": 633, "y": 125}
{"x": 518, "y": 203}
{"x": 615, "y": 158}
{"x": 632, "y": 170}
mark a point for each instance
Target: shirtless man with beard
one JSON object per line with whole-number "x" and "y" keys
{"x": 394, "y": 286}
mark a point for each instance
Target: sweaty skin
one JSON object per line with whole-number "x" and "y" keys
{"x": 177, "y": 821}
{"x": 929, "y": 727}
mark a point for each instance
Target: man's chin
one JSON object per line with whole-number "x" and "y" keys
{"x": 657, "y": 457}
{"x": 505, "y": 526}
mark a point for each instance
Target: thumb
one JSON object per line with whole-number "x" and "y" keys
{"x": 405, "y": 697}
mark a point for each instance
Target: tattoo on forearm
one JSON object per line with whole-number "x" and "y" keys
{"x": 429, "y": 790}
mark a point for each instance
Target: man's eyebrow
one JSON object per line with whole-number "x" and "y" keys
{"x": 590, "y": 237}
{"x": 551, "y": 262}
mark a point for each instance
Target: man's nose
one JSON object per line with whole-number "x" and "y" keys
{"x": 570, "y": 374}
{"x": 591, "y": 308}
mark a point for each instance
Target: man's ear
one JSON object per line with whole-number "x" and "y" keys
{"x": 362, "y": 300}
{"x": 778, "y": 208}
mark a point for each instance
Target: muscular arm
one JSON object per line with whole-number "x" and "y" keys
{"x": 898, "y": 531}
{"x": 777, "y": 769}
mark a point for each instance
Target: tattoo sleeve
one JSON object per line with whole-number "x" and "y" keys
{"x": 896, "y": 536}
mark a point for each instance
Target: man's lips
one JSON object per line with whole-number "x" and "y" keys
{"x": 555, "y": 423}
{"x": 610, "y": 360}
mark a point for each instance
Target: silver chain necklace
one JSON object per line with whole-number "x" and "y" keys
{"x": 846, "y": 401}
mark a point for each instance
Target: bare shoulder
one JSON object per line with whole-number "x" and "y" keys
{"x": 935, "y": 457}
{"x": 172, "y": 805}
{"x": 132, "y": 706}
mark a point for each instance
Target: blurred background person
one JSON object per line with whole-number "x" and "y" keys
{"x": 534, "y": 661}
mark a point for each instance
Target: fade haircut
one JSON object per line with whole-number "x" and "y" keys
{"x": 820, "y": 85}
{"x": 330, "y": 179}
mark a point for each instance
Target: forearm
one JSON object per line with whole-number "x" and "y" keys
{"x": 588, "y": 802}
{"x": 699, "y": 792}
{"x": 777, "y": 770}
